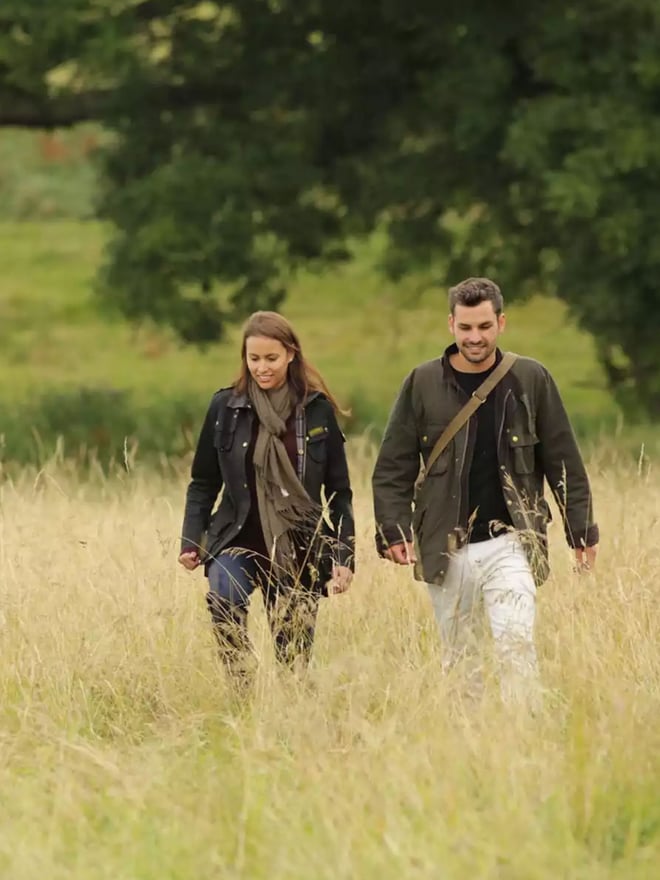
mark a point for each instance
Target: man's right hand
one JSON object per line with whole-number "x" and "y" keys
{"x": 402, "y": 553}
{"x": 190, "y": 559}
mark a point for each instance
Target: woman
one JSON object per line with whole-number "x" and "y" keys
{"x": 270, "y": 442}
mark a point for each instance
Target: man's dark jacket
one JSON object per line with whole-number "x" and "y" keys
{"x": 534, "y": 440}
{"x": 219, "y": 466}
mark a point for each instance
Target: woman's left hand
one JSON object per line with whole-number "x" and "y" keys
{"x": 341, "y": 579}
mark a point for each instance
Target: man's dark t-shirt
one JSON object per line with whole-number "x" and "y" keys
{"x": 485, "y": 488}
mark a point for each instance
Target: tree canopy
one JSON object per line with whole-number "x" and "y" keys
{"x": 255, "y": 137}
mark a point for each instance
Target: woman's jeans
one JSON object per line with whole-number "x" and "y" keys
{"x": 291, "y": 609}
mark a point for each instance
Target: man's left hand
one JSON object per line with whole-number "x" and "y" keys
{"x": 585, "y": 558}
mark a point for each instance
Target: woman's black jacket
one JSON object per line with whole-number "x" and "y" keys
{"x": 219, "y": 467}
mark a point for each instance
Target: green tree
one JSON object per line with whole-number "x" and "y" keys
{"x": 254, "y": 137}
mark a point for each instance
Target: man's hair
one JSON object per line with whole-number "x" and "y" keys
{"x": 474, "y": 291}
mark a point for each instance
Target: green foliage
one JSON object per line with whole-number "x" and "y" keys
{"x": 254, "y": 139}
{"x": 99, "y": 425}
{"x": 66, "y": 372}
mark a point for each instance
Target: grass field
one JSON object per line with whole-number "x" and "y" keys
{"x": 123, "y": 758}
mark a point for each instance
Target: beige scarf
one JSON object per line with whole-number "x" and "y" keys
{"x": 283, "y": 502}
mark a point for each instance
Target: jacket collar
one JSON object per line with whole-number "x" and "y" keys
{"x": 239, "y": 401}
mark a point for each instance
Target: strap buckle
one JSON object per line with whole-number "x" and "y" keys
{"x": 480, "y": 399}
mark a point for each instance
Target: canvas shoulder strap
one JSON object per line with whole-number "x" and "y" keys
{"x": 478, "y": 397}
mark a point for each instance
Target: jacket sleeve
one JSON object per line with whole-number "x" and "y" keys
{"x": 340, "y": 497}
{"x": 395, "y": 472}
{"x": 563, "y": 466}
{"x": 204, "y": 486}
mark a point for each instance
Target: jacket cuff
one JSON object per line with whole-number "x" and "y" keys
{"x": 345, "y": 556}
{"x": 587, "y": 538}
{"x": 388, "y": 535}
{"x": 188, "y": 546}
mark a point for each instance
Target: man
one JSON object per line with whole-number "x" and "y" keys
{"x": 479, "y": 521}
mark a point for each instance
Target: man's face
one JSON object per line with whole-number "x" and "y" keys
{"x": 475, "y": 329}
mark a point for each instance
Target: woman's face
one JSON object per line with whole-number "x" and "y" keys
{"x": 268, "y": 361}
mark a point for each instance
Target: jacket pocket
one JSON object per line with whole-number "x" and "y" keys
{"x": 427, "y": 443}
{"x": 523, "y": 450}
{"x": 222, "y": 519}
{"x": 317, "y": 444}
{"x": 223, "y": 438}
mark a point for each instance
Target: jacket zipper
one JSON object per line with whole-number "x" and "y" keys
{"x": 499, "y": 436}
{"x": 460, "y": 472}
{"x": 301, "y": 437}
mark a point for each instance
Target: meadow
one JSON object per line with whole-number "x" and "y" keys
{"x": 124, "y": 757}
{"x": 122, "y": 754}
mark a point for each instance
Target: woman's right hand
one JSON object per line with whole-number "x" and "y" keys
{"x": 189, "y": 559}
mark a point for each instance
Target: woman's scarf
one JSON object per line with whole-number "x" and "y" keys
{"x": 284, "y": 504}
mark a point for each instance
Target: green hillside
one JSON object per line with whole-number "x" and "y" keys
{"x": 67, "y": 369}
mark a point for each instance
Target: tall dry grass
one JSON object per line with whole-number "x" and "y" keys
{"x": 122, "y": 755}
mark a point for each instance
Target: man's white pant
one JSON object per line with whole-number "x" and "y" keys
{"x": 492, "y": 576}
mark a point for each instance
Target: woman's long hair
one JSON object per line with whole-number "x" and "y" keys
{"x": 302, "y": 376}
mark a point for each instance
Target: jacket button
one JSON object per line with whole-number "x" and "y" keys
{"x": 515, "y": 438}
{"x": 245, "y": 485}
{"x": 245, "y": 443}
{"x": 502, "y": 467}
